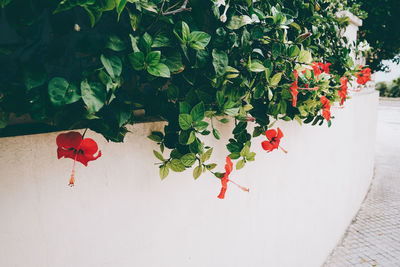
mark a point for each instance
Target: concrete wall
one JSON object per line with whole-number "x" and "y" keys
{"x": 121, "y": 214}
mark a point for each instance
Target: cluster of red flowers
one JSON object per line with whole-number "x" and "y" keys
{"x": 72, "y": 145}
{"x": 225, "y": 179}
{"x": 364, "y": 75}
{"x": 326, "y": 111}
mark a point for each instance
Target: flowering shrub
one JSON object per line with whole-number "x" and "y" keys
{"x": 88, "y": 64}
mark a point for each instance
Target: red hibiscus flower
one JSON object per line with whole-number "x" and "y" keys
{"x": 72, "y": 145}
{"x": 326, "y": 111}
{"x": 274, "y": 138}
{"x": 343, "y": 89}
{"x": 225, "y": 179}
{"x": 317, "y": 70}
{"x": 294, "y": 87}
{"x": 324, "y": 67}
{"x": 364, "y": 75}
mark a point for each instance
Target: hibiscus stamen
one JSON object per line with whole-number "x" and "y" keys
{"x": 72, "y": 179}
{"x": 284, "y": 150}
{"x": 241, "y": 187}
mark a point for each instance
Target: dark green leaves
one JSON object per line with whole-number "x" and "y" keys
{"x": 137, "y": 60}
{"x": 220, "y": 62}
{"x": 159, "y": 70}
{"x": 197, "y": 113}
{"x": 61, "y": 92}
{"x": 198, "y": 40}
{"x": 185, "y": 121}
{"x": 94, "y": 95}
{"x": 113, "y": 65}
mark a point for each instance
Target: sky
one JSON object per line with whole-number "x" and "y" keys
{"x": 394, "y": 72}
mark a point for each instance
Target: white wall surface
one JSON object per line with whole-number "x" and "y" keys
{"x": 121, "y": 214}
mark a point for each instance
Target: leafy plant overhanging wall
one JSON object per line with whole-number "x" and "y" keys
{"x": 89, "y": 63}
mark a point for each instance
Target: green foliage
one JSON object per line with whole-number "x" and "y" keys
{"x": 90, "y": 63}
{"x": 389, "y": 90}
{"x": 380, "y": 28}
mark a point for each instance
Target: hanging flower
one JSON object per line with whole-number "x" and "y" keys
{"x": 364, "y": 75}
{"x": 326, "y": 111}
{"x": 324, "y": 67}
{"x": 343, "y": 89}
{"x": 225, "y": 179}
{"x": 294, "y": 87}
{"x": 274, "y": 138}
{"x": 72, "y": 145}
{"x": 317, "y": 70}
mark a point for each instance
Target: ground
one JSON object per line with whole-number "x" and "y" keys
{"x": 373, "y": 238}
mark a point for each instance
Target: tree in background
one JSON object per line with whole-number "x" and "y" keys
{"x": 380, "y": 29}
{"x": 389, "y": 90}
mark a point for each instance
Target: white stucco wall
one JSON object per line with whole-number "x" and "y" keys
{"x": 121, "y": 214}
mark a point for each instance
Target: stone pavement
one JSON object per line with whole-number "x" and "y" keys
{"x": 373, "y": 238}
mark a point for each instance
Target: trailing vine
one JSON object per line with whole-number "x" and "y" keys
{"x": 90, "y": 63}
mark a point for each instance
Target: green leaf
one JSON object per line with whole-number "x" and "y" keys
{"x": 197, "y": 112}
{"x": 220, "y": 62}
{"x": 120, "y": 5}
{"x": 216, "y": 134}
{"x": 182, "y": 32}
{"x": 185, "y": 121}
{"x": 158, "y": 155}
{"x": 189, "y": 159}
{"x": 145, "y": 42}
{"x": 184, "y": 107}
{"x": 155, "y": 138}
{"x": 164, "y": 171}
{"x": 153, "y": 58}
{"x": 206, "y": 156}
{"x": 238, "y": 21}
{"x": 94, "y": 95}
{"x": 276, "y": 79}
{"x": 224, "y": 120}
{"x": 112, "y": 64}
{"x": 34, "y": 76}
{"x": 256, "y": 66}
{"x": 61, "y": 92}
{"x": 176, "y": 165}
{"x": 174, "y": 61}
{"x": 185, "y": 31}
{"x": 294, "y": 51}
{"x": 201, "y": 125}
{"x": 305, "y": 57}
{"x": 197, "y": 172}
{"x": 137, "y": 60}
{"x": 211, "y": 166}
{"x": 240, "y": 164}
{"x": 198, "y": 40}
{"x": 159, "y": 70}
{"x": 115, "y": 43}
{"x": 161, "y": 40}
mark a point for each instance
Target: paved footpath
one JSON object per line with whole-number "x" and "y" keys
{"x": 373, "y": 239}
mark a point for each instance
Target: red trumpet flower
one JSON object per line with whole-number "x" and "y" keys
{"x": 274, "y": 138}
{"x": 364, "y": 75}
{"x": 72, "y": 145}
{"x": 294, "y": 87}
{"x": 343, "y": 89}
{"x": 326, "y": 111}
{"x": 225, "y": 179}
